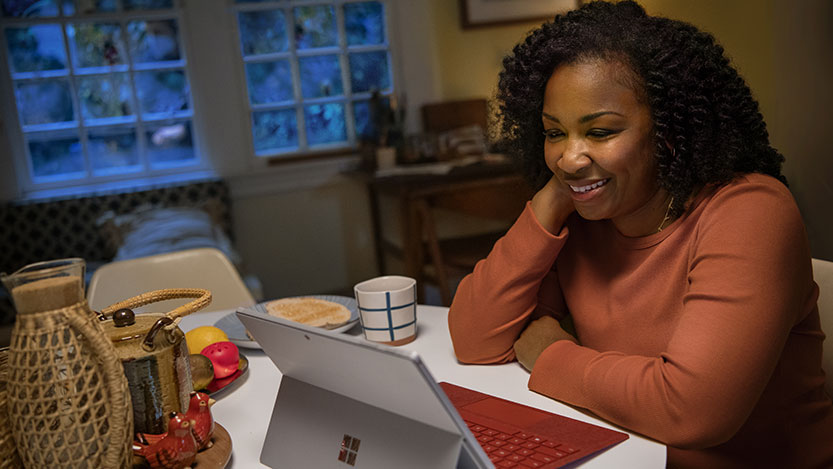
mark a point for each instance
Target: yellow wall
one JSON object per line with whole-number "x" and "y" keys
{"x": 469, "y": 60}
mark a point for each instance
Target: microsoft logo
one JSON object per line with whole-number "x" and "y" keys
{"x": 349, "y": 449}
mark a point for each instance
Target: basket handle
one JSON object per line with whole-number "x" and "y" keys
{"x": 203, "y": 298}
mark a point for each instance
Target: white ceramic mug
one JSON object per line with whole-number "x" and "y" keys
{"x": 387, "y": 309}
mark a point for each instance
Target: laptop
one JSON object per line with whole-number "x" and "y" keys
{"x": 345, "y": 403}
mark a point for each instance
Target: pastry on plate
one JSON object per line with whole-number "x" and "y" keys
{"x": 310, "y": 311}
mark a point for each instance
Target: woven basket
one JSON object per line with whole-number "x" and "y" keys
{"x": 8, "y": 451}
{"x": 67, "y": 393}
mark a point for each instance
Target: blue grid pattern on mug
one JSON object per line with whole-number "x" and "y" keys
{"x": 389, "y": 310}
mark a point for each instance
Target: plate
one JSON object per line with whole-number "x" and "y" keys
{"x": 236, "y": 331}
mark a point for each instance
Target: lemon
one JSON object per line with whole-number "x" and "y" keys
{"x": 203, "y": 336}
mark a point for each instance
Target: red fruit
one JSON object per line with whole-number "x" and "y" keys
{"x": 224, "y": 356}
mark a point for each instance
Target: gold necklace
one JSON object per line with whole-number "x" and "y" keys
{"x": 666, "y": 217}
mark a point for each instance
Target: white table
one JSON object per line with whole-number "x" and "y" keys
{"x": 245, "y": 410}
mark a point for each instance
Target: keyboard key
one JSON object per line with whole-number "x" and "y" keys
{"x": 549, "y": 444}
{"x": 555, "y": 453}
{"x": 517, "y": 441}
{"x": 490, "y": 432}
{"x": 530, "y": 445}
{"x": 478, "y": 428}
{"x": 484, "y": 439}
{"x": 502, "y": 453}
{"x": 515, "y": 458}
{"x": 523, "y": 435}
{"x": 506, "y": 464}
{"x": 542, "y": 458}
{"x": 488, "y": 448}
{"x": 511, "y": 447}
{"x": 531, "y": 463}
{"x": 503, "y": 436}
{"x": 536, "y": 439}
{"x": 524, "y": 452}
{"x": 498, "y": 443}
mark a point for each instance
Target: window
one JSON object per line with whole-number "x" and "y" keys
{"x": 103, "y": 92}
{"x": 310, "y": 69}
{"x": 100, "y": 88}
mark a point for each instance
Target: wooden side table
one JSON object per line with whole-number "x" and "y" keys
{"x": 486, "y": 189}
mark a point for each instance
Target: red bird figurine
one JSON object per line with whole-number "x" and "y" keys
{"x": 199, "y": 413}
{"x": 176, "y": 450}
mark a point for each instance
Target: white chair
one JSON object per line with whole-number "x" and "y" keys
{"x": 206, "y": 268}
{"x": 823, "y": 275}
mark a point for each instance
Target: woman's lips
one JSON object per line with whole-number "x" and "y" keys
{"x": 585, "y": 190}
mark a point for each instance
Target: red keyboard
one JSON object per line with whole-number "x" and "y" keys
{"x": 519, "y": 449}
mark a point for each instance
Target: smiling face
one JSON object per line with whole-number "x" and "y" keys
{"x": 600, "y": 143}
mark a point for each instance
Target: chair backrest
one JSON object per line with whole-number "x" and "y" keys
{"x": 206, "y": 268}
{"x": 823, "y": 275}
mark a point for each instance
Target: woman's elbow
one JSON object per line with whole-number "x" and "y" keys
{"x": 476, "y": 354}
{"x": 697, "y": 432}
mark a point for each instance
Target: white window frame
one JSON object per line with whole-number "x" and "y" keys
{"x": 299, "y": 102}
{"x": 17, "y": 132}
{"x": 221, "y": 120}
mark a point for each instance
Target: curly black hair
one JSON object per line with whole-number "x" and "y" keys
{"x": 708, "y": 128}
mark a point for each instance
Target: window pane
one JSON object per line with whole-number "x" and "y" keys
{"x": 275, "y": 130}
{"x": 153, "y": 41}
{"x": 34, "y": 48}
{"x": 320, "y": 76}
{"x": 170, "y": 144}
{"x": 147, "y": 4}
{"x": 113, "y": 149}
{"x": 315, "y": 26}
{"x": 325, "y": 123}
{"x": 44, "y": 102}
{"x": 162, "y": 92}
{"x": 30, "y": 8}
{"x": 269, "y": 82}
{"x": 96, "y": 44}
{"x": 104, "y": 95}
{"x": 96, "y": 6}
{"x": 57, "y": 156}
{"x": 361, "y": 115}
{"x": 364, "y": 23}
{"x": 262, "y": 32}
{"x": 369, "y": 71}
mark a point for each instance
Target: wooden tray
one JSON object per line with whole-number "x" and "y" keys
{"x": 216, "y": 457}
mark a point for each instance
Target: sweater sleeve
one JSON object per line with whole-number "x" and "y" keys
{"x": 747, "y": 285}
{"x": 494, "y": 303}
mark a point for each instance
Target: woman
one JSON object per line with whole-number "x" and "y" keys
{"x": 661, "y": 276}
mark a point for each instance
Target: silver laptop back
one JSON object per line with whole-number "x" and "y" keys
{"x": 344, "y": 402}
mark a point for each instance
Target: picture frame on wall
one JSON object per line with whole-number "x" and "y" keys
{"x": 482, "y": 13}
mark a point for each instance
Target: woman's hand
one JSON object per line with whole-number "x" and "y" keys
{"x": 552, "y": 205}
{"x": 537, "y": 336}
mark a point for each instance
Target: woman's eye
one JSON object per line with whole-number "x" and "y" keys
{"x": 553, "y": 135}
{"x": 600, "y": 133}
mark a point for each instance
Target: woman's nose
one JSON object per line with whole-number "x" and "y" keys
{"x": 574, "y": 158}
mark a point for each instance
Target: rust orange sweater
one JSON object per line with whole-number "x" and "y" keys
{"x": 704, "y": 336}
